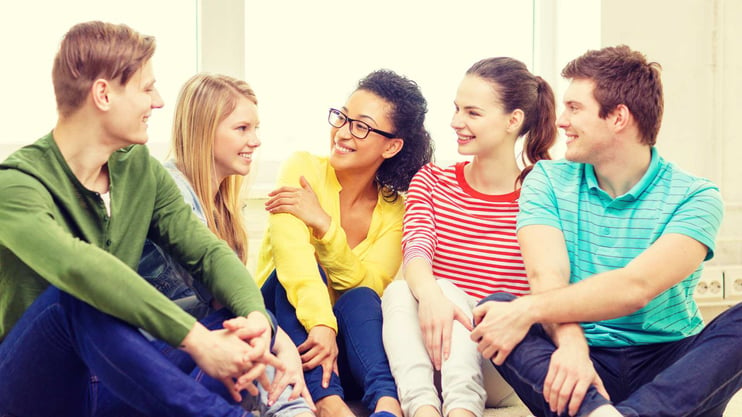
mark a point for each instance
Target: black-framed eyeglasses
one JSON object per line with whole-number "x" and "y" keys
{"x": 358, "y": 128}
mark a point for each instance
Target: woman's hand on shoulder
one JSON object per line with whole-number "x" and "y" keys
{"x": 302, "y": 203}
{"x": 320, "y": 348}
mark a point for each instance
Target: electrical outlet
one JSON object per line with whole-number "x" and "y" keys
{"x": 711, "y": 285}
{"x": 733, "y": 282}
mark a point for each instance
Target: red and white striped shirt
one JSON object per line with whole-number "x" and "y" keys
{"x": 467, "y": 236}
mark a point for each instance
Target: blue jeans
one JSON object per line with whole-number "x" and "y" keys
{"x": 170, "y": 278}
{"x": 695, "y": 376}
{"x": 362, "y": 362}
{"x": 65, "y": 358}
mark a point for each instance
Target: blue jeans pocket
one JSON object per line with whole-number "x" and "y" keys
{"x": 158, "y": 269}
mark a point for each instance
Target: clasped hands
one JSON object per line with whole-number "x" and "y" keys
{"x": 236, "y": 355}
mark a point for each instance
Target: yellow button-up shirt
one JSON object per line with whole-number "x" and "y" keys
{"x": 290, "y": 248}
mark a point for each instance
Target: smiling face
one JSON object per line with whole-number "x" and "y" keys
{"x": 350, "y": 153}
{"x": 588, "y": 136}
{"x": 131, "y": 106}
{"x": 236, "y": 139}
{"x": 481, "y": 124}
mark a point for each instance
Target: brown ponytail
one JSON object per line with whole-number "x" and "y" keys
{"x": 518, "y": 88}
{"x": 541, "y": 132}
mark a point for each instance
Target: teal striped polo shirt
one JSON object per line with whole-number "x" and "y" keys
{"x": 604, "y": 233}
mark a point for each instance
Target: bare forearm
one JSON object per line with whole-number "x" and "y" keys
{"x": 560, "y": 333}
{"x": 622, "y": 291}
{"x": 419, "y": 276}
{"x": 282, "y": 342}
{"x": 602, "y": 297}
{"x": 193, "y": 342}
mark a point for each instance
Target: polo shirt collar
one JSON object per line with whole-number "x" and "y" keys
{"x": 637, "y": 189}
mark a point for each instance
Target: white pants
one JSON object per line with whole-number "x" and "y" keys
{"x": 463, "y": 377}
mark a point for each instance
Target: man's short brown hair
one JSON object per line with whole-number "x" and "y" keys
{"x": 95, "y": 50}
{"x": 623, "y": 76}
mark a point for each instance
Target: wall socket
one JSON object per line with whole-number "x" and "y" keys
{"x": 733, "y": 282}
{"x": 711, "y": 285}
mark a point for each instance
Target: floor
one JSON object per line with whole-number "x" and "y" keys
{"x": 256, "y": 219}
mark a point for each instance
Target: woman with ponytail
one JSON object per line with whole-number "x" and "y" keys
{"x": 460, "y": 245}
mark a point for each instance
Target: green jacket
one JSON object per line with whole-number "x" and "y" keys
{"x": 55, "y": 231}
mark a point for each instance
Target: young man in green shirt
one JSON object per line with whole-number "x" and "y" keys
{"x": 75, "y": 209}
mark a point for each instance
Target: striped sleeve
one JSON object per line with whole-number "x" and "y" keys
{"x": 538, "y": 203}
{"x": 418, "y": 239}
{"x": 700, "y": 215}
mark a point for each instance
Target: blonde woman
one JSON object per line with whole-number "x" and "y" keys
{"x": 214, "y": 139}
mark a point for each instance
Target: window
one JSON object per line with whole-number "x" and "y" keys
{"x": 31, "y": 39}
{"x": 312, "y": 57}
{"x": 289, "y": 60}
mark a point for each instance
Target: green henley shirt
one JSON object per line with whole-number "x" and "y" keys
{"x": 55, "y": 231}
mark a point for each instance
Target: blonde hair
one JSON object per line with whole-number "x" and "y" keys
{"x": 205, "y": 100}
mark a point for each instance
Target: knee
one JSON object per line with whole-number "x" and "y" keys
{"x": 736, "y": 311}
{"x": 729, "y": 319}
{"x": 358, "y": 295}
{"x": 357, "y": 305}
{"x": 396, "y": 292}
{"x": 395, "y": 287}
{"x": 498, "y": 296}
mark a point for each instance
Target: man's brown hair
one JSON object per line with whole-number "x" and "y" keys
{"x": 95, "y": 50}
{"x": 623, "y": 76}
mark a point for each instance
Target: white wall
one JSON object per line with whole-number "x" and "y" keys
{"x": 699, "y": 45}
{"x": 312, "y": 57}
{"x": 281, "y": 48}
{"x": 564, "y": 29}
{"x": 283, "y": 52}
{"x": 287, "y": 58}
{"x": 30, "y": 32}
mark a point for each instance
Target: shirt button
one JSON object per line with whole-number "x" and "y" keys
{"x": 108, "y": 242}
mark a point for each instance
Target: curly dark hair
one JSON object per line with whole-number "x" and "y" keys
{"x": 408, "y": 115}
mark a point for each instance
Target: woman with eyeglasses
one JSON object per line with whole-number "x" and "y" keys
{"x": 460, "y": 243}
{"x": 214, "y": 140}
{"x": 334, "y": 242}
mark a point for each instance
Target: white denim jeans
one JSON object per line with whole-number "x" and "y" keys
{"x": 463, "y": 377}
